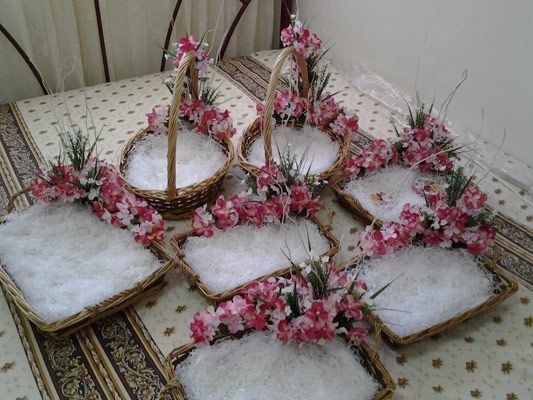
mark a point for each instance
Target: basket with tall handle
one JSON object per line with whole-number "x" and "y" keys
{"x": 174, "y": 203}
{"x": 263, "y": 126}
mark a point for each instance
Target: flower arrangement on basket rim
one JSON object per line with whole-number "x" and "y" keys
{"x": 306, "y": 100}
{"x": 317, "y": 302}
{"x": 425, "y": 143}
{"x": 304, "y": 103}
{"x": 454, "y": 216}
{"x": 198, "y": 96}
{"x": 279, "y": 193}
{"x": 79, "y": 175}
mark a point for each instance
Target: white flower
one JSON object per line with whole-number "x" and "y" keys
{"x": 93, "y": 193}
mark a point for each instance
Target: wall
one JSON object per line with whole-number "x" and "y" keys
{"x": 492, "y": 38}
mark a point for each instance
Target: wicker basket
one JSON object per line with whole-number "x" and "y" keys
{"x": 66, "y": 326}
{"x": 351, "y": 203}
{"x": 178, "y": 240}
{"x": 504, "y": 287}
{"x": 176, "y": 203}
{"x": 369, "y": 360}
{"x": 254, "y": 131}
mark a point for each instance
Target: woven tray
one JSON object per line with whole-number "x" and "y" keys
{"x": 66, "y": 326}
{"x": 254, "y": 131}
{"x": 351, "y": 203}
{"x": 178, "y": 240}
{"x": 369, "y": 361}
{"x": 177, "y": 203}
{"x": 504, "y": 287}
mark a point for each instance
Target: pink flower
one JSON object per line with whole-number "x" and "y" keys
{"x": 225, "y": 214}
{"x": 379, "y": 154}
{"x": 304, "y": 41}
{"x": 357, "y": 334}
{"x": 186, "y": 44}
{"x": 202, "y": 222}
{"x": 302, "y": 201}
{"x": 158, "y": 119}
{"x": 269, "y": 178}
{"x": 478, "y": 240}
{"x": 202, "y": 329}
{"x": 472, "y": 201}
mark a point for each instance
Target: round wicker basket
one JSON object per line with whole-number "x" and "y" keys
{"x": 176, "y": 203}
{"x": 254, "y": 131}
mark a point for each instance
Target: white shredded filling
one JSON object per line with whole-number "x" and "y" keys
{"x": 394, "y": 183}
{"x": 260, "y": 367}
{"x": 63, "y": 258}
{"x": 246, "y": 252}
{"x": 430, "y": 285}
{"x": 198, "y": 157}
{"x": 312, "y": 148}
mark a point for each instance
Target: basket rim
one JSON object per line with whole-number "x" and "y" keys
{"x": 350, "y": 203}
{"x": 178, "y": 240}
{"x": 90, "y": 313}
{"x": 387, "y": 385}
{"x": 511, "y": 287}
{"x": 161, "y": 194}
{"x": 254, "y": 132}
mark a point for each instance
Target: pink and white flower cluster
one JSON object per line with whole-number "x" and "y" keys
{"x": 427, "y": 143}
{"x": 297, "y": 310}
{"x": 304, "y": 41}
{"x": 99, "y": 185}
{"x": 273, "y": 200}
{"x": 208, "y": 119}
{"x": 192, "y": 46}
{"x": 379, "y": 154}
{"x": 436, "y": 224}
{"x": 325, "y": 113}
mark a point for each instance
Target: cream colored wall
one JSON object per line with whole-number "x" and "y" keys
{"x": 492, "y": 38}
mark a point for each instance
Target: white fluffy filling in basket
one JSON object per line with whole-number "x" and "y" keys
{"x": 431, "y": 285}
{"x": 393, "y": 184}
{"x": 258, "y": 366}
{"x": 246, "y": 252}
{"x": 198, "y": 157}
{"x": 63, "y": 258}
{"x": 310, "y": 145}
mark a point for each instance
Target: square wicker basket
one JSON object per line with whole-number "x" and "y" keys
{"x": 504, "y": 287}
{"x": 373, "y": 366}
{"x": 178, "y": 241}
{"x": 66, "y": 326}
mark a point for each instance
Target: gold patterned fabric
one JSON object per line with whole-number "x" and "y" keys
{"x": 488, "y": 357}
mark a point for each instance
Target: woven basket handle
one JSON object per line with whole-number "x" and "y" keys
{"x": 187, "y": 62}
{"x": 271, "y": 94}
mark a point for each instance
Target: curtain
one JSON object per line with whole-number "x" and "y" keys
{"x": 61, "y": 38}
